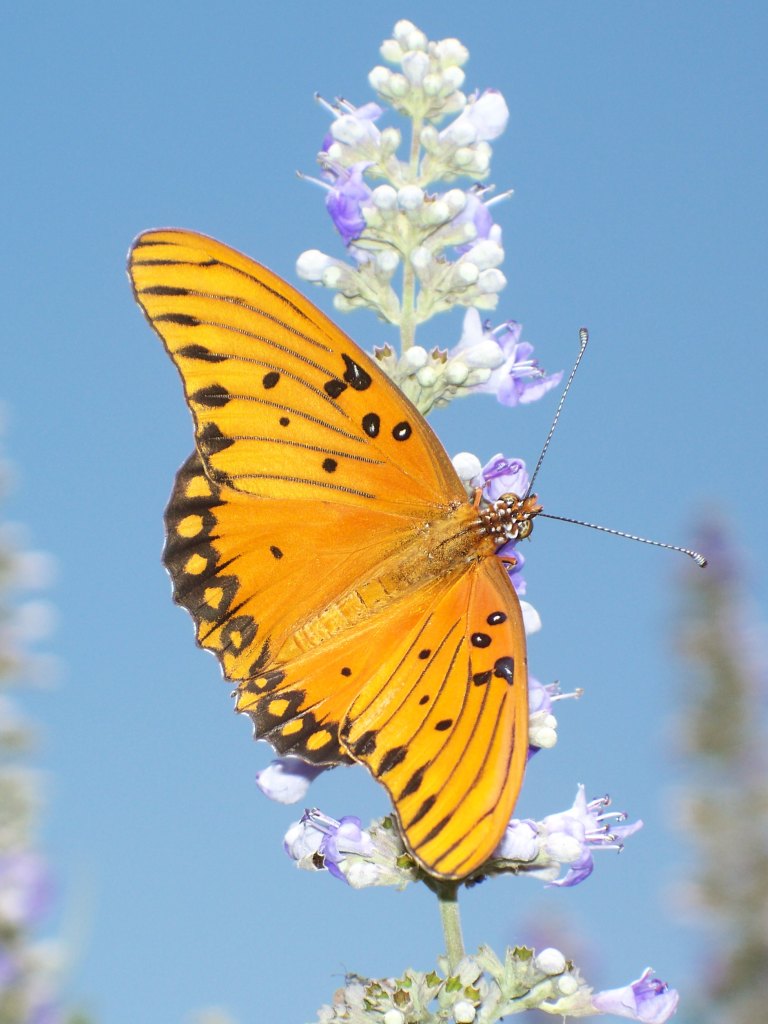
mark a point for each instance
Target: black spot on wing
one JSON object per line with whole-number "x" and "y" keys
{"x": 414, "y": 783}
{"x": 496, "y": 618}
{"x": 365, "y": 745}
{"x": 482, "y": 678}
{"x": 213, "y": 396}
{"x": 182, "y": 319}
{"x": 391, "y": 760}
{"x": 211, "y": 441}
{"x": 355, "y": 375}
{"x": 276, "y": 552}
{"x": 425, "y": 808}
{"x": 334, "y": 387}
{"x": 329, "y": 465}
{"x": 402, "y": 431}
{"x": 269, "y": 380}
{"x": 201, "y": 352}
{"x": 371, "y": 424}
{"x": 480, "y": 640}
{"x": 504, "y": 668}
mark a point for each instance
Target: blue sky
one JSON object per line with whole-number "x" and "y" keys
{"x": 636, "y": 151}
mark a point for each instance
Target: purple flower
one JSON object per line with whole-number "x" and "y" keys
{"x": 520, "y": 379}
{"x": 501, "y": 475}
{"x": 516, "y": 377}
{"x": 353, "y": 125}
{"x": 476, "y": 212}
{"x": 520, "y": 841}
{"x": 572, "y": 835}
{"x": 345, "y": 199}
{"x": 483, "y": 118}
{"x": 25, "y": 888}
{"x": 345, "y": 837}
{"x": 287, "y": 779}
{"x": 648, "y": 1000}
{"x": 333, "y": 840}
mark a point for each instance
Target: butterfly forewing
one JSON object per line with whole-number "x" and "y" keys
{"x": 285, "y": 404}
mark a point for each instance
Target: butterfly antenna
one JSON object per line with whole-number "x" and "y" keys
{"x": 583, "y": 339}
{"x": 700, "y": 560}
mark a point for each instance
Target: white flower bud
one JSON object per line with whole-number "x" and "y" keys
{"x": 456, "y": 200}
{"x": 451, "y": 51}
{"x": 467, "y": 465}
{"x": 464, "y": 156}
{"x": 398, "y": 85}
{"x": 467, "y": 273}
{"x": 437, "y": 212}
{"x": 403, "y": 29}
{"x": 378, "y": 78}
{"x": 485, "y": 254}
{"x": 567, "y": 985}
{"x": 431, "y": 84}
{"x": 491, "y": 282}
{"x": 482, "y": 158}
{"x": 454, "y": 77}
{"x": 387, "y": 261}
{"x": 421, "y": 259}
{"x": 391, "y": 51}
{"x": 332, "y": 275}
{"x": 415, "y": 357}
{"x": 312, "y": 264}
{"x": 531, "y": 618}
{"x": 550, "y": 961}
{"x": 335, "y": 152}
{"x": 410, "y": 197}
{"x": 426, "y": 376}
{"x": 542, "y": 731}
{"x": 415, "y": 67}
{"x": 394, "y": 1016}
{"x": 464, "y": 1012}
{"x": 389, "y": 140}
{"x": 429, "y": 137}
{"x": 411, "y": 38}
{"x": 384, "y": 197}
{"x": 456, "y": 372}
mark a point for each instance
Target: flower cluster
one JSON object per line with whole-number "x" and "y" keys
{"x": 28, "y": 967}
{"x": 393, "y": 217}
{"x": 540, "y": 849}
{"x": 485, "y": 988}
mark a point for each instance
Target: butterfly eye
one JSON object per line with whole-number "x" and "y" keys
{"x": 524, "y": 528}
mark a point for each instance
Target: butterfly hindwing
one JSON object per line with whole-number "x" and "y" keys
{"x": 252, "y": 577}
{"x": 442, "y": 724}
{"x": 285, "y": 404}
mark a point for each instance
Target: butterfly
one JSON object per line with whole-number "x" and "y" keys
{"x": 328, "y": 553}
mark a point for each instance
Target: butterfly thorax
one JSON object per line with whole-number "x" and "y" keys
{"x": 509, "y": 518}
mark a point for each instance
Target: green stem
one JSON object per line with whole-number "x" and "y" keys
{"x": 448, "y": 900}
{"x": 408, "y": 304}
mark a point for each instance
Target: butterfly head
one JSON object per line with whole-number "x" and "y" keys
{"x": 510, "y": 517}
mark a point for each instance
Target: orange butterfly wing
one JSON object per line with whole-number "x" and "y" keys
{"x": 296, "y": 539}
{"x": 443, "y": 722}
